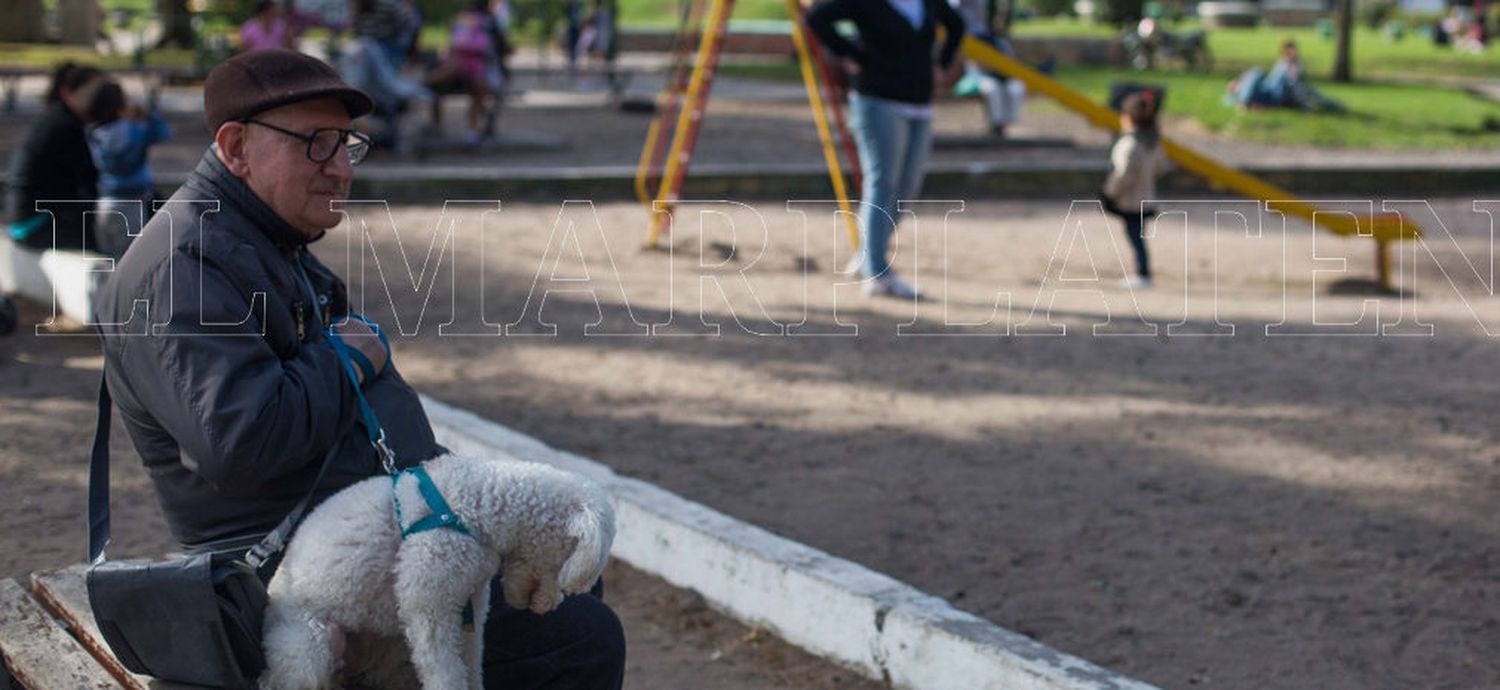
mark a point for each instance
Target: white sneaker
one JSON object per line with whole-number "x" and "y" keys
{"x": 1135, "y": 283}
{"x": 889, "y": 284}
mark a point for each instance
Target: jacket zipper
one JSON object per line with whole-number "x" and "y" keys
{"x": 312, "y": 294}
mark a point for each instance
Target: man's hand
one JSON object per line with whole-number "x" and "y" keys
{"x": 358, "y": 335}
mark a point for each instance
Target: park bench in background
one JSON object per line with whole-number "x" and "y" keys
{"x": 153, "y": 78}
{"x": 68, "y": 279}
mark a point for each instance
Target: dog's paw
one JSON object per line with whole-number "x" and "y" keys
{"x": 544, "y": 599}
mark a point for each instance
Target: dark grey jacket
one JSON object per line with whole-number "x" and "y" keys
{"x": 224, "y": 379}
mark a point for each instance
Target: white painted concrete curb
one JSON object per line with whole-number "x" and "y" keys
{"x": 829, "y": 606}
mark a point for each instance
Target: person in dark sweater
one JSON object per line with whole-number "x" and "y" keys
{"x": 896, "y": 65}
{"x": 53, "y": 164}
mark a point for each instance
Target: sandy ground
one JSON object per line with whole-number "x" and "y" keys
{"x": 1239, "y": 511}
{"x": 1245, "y": 511}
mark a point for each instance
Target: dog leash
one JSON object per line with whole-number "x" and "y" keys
{"x": 441, "y": 514}
{"x": 348, "y": 356}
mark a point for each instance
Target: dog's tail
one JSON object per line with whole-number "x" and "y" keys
{"x": 593, "y": 525}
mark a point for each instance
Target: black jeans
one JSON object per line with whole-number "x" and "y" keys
{"x": 578, "y": 646}
{"x": 1135, "y": 226}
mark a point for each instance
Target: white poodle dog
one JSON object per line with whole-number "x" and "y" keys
{"x": 349, "y": 574}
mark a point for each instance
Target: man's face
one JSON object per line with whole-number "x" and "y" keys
{"x": 275, "y": 165}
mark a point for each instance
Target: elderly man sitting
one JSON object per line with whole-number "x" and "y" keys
{"x": 228, "y": 385}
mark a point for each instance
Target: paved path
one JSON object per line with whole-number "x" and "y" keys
{"x": 559, "y": 128}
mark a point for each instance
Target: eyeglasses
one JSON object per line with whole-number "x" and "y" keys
{"x": 324, "y": 142}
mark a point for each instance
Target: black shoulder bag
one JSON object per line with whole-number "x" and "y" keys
{"x": 194, "y": 619}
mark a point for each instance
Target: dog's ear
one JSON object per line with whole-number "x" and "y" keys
{"x": 593, "y": 526}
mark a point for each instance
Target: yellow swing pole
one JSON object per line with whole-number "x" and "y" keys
{"x": 670, "y": 97}
{"x": 820, "y": 117}
{"x": 643, "y": 169}
{"x": 687, "y": 119}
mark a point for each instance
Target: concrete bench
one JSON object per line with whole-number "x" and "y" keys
{"x": 153, "y": 80}
{"x": 10, "y": 82}
{"x": 66, "y": 279}
{"x": 1219, "y": 14}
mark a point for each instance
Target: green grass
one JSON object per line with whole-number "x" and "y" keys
{"x": 44, "y": 56}
{"x": 1383, "y": 114}
{"x": 658, "y": 13}
{"x": 1380, "y": 115}
{"x": 1375, "y": 55}
{"x": 1071, "y": 27}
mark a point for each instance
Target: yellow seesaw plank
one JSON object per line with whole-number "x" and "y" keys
{"x": 1382, "y": 227}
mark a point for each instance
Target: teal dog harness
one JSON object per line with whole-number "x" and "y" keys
{"x": 441, "y": 517}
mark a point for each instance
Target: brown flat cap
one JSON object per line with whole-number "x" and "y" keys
{"x": 260, "y": 80}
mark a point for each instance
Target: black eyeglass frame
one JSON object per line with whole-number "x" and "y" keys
{"x": 344, "y": 135}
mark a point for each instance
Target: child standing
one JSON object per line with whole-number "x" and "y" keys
{"x": 1136, "y": 160}
{"x": 119, "y": 144}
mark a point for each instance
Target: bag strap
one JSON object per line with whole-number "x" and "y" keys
{"x": 99, "y": 480}
{"x": 99, "y": 530}
{"x": 265, "y": 552}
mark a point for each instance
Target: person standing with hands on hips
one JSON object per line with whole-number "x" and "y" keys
{"x": 897, "y": 64}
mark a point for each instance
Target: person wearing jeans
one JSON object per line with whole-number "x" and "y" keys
{"x": 895, "y": 72}
{"x": 893, "y": 140}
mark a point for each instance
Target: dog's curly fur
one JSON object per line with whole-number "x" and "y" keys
{"x": 348, "y": 572}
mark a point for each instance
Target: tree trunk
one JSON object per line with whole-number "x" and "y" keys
{"x": 80, "y": 22}
{"x": 1342, "y": 71}
{"x": 176, "y": 24}
{"x": 1002, "y": 15}
{"x": 24, "y": 21}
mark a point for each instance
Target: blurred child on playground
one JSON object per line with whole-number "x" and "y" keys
{"x": 473, "y": 65}
{"x": 1135, "y": 162}
{"x": 120, "y": 141}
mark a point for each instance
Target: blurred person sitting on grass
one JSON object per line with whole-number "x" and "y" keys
{"x": 1285, "y": 86}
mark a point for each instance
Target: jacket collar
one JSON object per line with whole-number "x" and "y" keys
{"x": 234, "y": 192}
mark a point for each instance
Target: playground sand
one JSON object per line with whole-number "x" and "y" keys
{"x": 1232, "y": 512}
{"x": 1248, "y": 511}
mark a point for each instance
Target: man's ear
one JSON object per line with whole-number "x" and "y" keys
{"x": 230, "y": 140}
